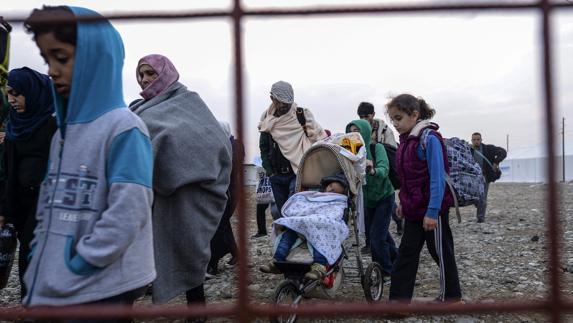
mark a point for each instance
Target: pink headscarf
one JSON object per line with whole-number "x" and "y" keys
{"x": 166, "y": 74}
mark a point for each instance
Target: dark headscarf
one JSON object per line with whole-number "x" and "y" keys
{"x": 37, "y": 89}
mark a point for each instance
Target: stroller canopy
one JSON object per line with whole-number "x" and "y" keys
{"x": 324, "y": 159}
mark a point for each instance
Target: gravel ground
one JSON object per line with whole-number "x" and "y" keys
{"x": 502, "y": 259}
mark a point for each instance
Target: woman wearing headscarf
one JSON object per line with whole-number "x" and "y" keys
{"x": 31, "y": 124}
{"x": 192, "y": 168}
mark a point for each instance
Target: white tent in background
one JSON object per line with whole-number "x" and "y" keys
{"x": 528, "y": 164}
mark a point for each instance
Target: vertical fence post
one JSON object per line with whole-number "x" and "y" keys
{"x": 563, "y": 147}
{"x": 507, "y": 142}
{"x": 555, "y": 305}
{"x": 242, "y": 308}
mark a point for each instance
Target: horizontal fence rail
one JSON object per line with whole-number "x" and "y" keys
{"x": 161, "y": 16}
{"x": 555, "y": 305}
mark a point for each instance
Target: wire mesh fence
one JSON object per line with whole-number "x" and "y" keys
{"x": 556, "y": 305}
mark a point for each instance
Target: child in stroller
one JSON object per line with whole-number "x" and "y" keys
{"x": 318, "y": 218}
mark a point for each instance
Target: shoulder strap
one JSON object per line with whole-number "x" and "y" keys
{"x": 373, "y": 153}
{"x": 424, "y": 137}
{"x": 484, "y": 158}
{"x": 375, "y": 126}
{"x": 450, "y": 184}
{"x": 384, "y": 130}
{"x": 301, "y": 119}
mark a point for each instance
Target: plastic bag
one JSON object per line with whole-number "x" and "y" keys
{"x": 264, "y": 194}
{"x": 8, "y": 244}
{"x": 355, "y": 150}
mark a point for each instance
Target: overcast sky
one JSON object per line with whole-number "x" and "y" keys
{"x": 480, "y": 71}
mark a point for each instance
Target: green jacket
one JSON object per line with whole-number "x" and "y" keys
{"x": 378, "y": 186}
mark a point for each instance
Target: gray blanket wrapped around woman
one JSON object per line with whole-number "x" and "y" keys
{"x": 192, "y": 167}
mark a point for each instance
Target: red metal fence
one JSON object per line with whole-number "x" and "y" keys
{"x": 555, "y": 305}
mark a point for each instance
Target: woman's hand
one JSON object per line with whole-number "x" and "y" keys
{"x": 430, "y": 224}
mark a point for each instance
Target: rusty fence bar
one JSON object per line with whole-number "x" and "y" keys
{"x": 554, "y": 235}
{"x": 555, "y": 305}
{"x": 265, "y": 310}
{"x": 243, "y": 277}
{"x": 322, "y": 11}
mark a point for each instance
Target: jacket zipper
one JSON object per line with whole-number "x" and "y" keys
{"x": 31, "y": 291}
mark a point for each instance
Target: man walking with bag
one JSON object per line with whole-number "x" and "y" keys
{"x": 488, "y": 157}
{"x": 287, "y": 131}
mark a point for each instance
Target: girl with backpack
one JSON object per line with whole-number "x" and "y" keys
{"x": 424, "y": 200}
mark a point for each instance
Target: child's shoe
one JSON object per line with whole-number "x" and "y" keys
{"x": 317, "y": 271}
{"x": 270, "y": 268}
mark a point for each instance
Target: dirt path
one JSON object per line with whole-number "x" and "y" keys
{"x": 502, "y": 259}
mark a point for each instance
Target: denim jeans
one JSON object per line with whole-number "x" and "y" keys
{"x": 288, "y": 239}
{"x": 383, "y": 248}
{"x": 394, "y": 214}
{"x": 368, "y": 222}
{"x": 283, "y": 186}
{"x": 482, "y": 204}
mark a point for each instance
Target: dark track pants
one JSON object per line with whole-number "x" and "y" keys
{"x": 440, "y": 244}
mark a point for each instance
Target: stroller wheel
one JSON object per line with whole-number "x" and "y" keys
{"x": 287, "y": 293}
{"x": 373, "y": 282}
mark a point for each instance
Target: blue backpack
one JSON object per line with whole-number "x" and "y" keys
{"x": 465, "y": 180}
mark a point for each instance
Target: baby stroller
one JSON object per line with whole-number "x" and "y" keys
{"x": 321, "y": 160}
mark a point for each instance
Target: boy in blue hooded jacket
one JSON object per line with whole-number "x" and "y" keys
{"x": 93, "y": 242}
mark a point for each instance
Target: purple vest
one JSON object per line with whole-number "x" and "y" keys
{"x": 415, "y": 178}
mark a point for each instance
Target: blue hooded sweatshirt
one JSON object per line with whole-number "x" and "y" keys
{"x": 94, "y": 234}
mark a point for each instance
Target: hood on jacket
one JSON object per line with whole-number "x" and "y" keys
{"x": 97, "y": 80}
{"x": 418, "y": 128}
{"x": 365, "y": 132}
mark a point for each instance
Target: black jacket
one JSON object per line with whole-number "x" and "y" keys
{"x": 495, "y": 155}
{"x": 25, "y": 165}
{"x": 274, "y": 162}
